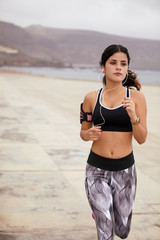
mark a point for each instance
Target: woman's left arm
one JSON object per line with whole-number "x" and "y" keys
{"x": 137, "y": 110}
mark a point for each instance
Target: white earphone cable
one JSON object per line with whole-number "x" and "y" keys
{"x": 100, "y": 124}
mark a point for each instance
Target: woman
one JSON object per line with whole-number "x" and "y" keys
{"x": 110, "y": 118}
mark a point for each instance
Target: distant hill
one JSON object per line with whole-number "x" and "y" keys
{"x": 30, "y": 52}
{"x": 44, "y": 46}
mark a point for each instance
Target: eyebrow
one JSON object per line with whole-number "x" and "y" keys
{"x": 116, "y": 60}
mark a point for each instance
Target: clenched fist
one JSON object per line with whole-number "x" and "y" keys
{"x": 92, "y": 133}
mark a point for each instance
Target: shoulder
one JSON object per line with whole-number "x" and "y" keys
{"x": 89, "y": 100}
{"x": 136, "y": 93}
{"x": 137, "y": 96}
{"x": 90, "y": 96}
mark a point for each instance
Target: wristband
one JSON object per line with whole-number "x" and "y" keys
{"x": 137, "y": 121}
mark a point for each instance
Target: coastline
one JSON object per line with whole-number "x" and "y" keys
{"x": 43, "y": 159}
{"x": 146, "y": 77}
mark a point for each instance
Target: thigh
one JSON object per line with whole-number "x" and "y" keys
{"x": 123, "y": 198}
{"x": 100, "y": 199}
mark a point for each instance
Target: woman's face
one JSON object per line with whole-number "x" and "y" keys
{"x": 116, "y": 67}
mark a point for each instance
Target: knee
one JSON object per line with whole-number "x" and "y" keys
{"x": 123, "y": 231}
{"x": 123, "y": 235}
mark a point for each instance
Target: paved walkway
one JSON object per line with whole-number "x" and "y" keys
{"x": 42, "y": 162}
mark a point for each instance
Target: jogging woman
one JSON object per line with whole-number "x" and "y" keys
{"x": 111, "y": 118}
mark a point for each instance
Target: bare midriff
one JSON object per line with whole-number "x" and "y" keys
{"x": 113, "y": 144}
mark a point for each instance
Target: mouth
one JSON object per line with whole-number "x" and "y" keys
{"x": 118, "y": 74}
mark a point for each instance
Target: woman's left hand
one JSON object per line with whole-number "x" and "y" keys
{"x": 129, "y": 105}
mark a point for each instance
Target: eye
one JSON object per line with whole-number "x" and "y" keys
{"x": 124, "y": 64}
{"x": 113, "y": 63}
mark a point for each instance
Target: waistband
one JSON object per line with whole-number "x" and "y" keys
{"x": 110, "y": 164}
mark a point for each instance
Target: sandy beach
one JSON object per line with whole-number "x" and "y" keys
{"x": 42, "y": 162}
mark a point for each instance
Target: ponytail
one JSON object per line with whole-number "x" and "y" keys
{"x": 132, "y": 81}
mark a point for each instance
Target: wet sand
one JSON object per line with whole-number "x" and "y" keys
{"x": 42, "y": 162}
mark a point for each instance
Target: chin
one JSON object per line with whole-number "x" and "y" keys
{"x": 118, "y": 81}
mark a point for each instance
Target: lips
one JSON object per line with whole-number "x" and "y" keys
{"x": 118, "y": 74}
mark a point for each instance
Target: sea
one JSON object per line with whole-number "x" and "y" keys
{"x": 90, "y": 74}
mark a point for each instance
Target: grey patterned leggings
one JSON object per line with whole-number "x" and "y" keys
{"x": 111, "y": 196}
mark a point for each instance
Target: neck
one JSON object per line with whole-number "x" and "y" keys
{"x": 112, "y": 86}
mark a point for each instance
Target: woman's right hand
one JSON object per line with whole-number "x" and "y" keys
{"x": 93, "y": 133}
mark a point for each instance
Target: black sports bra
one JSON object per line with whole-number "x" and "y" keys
{"x": 111, "y": 119}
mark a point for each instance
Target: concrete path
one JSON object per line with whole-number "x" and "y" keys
{"x": 42, "y": 162}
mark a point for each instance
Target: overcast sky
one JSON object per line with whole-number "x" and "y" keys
{"x": 135, "y": 18}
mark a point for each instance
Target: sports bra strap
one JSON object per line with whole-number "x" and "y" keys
{"x": 128, "y": 92}
{"x": 99, "y": 94}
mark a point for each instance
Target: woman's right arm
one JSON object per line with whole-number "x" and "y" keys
{"x": 89, "y": 132}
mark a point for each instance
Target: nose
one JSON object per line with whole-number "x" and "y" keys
{"x": 118, "y": 67}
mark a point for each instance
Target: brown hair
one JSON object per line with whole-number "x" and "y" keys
{"x": 131, "y": 78}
